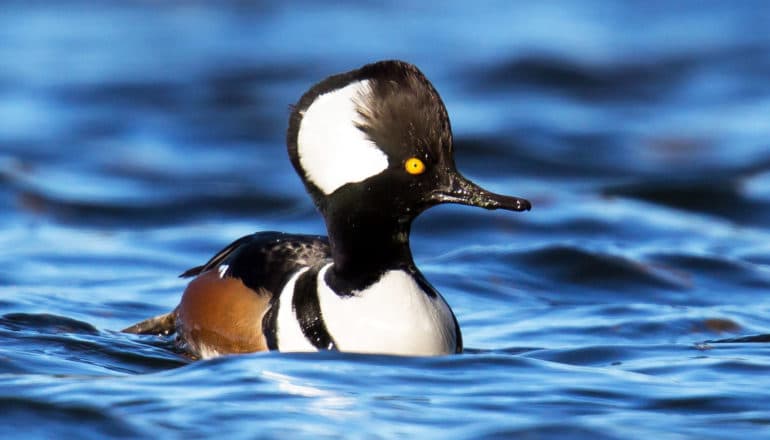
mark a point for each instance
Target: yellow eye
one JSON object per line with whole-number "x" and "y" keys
{"x": 414, "y": 166}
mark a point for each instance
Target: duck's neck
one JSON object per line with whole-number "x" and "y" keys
{"x": 365, "y": 247}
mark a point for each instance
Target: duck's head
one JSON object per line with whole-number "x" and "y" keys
{"x": 374, "y": 145}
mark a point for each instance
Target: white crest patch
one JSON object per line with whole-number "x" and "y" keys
{"x": 288, "y": 332}
{"x": 392, "y": 316}
{"x": 332, "y": 150}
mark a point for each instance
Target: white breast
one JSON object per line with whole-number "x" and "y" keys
{"x": 393, "y": 316}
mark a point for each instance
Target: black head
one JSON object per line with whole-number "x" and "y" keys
{"x": 375, "y": 145}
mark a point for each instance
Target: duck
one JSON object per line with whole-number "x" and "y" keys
{"x": 374, "y": 149}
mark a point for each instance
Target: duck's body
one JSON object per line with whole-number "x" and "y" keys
{"x": 374, "y": 148}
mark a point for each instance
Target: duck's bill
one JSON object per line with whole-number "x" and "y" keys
{"x": 463, "y": 191}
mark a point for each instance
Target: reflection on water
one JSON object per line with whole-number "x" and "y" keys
{"x": 138, "y": 138}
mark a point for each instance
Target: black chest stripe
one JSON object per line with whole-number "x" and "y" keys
{"x": 270, "y": 324}
{"x": 308, "y": 311}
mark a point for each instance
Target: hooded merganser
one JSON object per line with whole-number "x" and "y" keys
{"x": 374, "y": 149}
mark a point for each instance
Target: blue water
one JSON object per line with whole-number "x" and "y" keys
{"x": 138, "y": 138}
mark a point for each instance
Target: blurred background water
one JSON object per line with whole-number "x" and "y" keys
{"x": 137, "y": 138}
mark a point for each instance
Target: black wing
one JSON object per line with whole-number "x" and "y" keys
{"x": 265, "y": 260}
